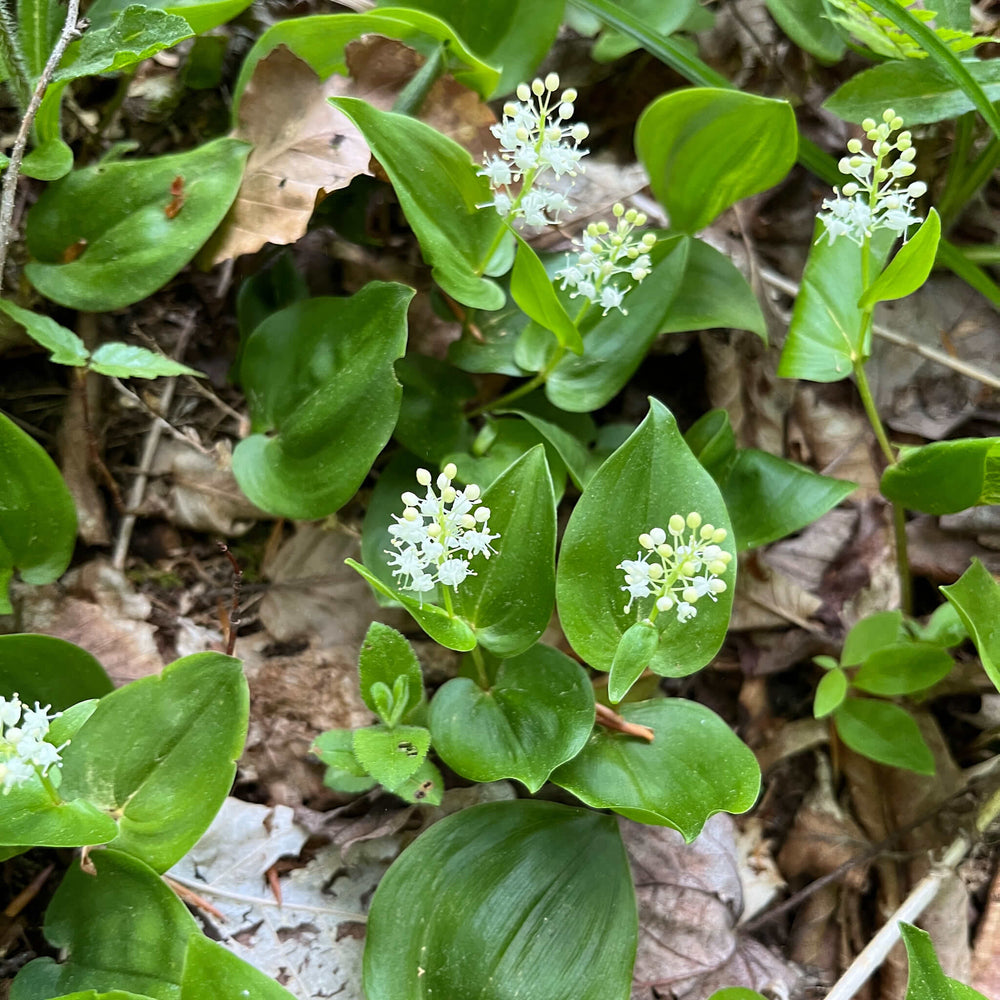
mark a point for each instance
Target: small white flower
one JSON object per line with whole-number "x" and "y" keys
{"x": 24, "y": 752}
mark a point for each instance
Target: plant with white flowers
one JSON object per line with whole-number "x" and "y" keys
{"x": 678, "y": 573}
{"x": 875, "y": 199}
{"x": 438, "y": 535}
{"x": 537, "y": 144}
{"x": 24, "y": 752}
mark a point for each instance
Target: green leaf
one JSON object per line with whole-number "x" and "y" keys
{"x": 48, "y": 161}
{"x": 926, "y": 980}
{"x": 830, "y": 693}
{"x": 424, "y": 787}
{"x": 944, "y": 627}
{"x": 508, "y": 603}
{"x": 824, "y": 337}
{"x": 385, "y": 656}
{"x": 871, "y": 634}
{"x": 614, "y": 345}
{"x": 319, "y": 373}
{"x": 976, "y": 598}
{"x": 134, "y": 34}
{"x": 94, "y": 995}
{"x": 439, "y": 190}
{"x": 705, "y": 149}
{"x": 650, "y": 477}
{"x": 736, "y": 993}
{"x": 212, "y": 972}
{"x": 38, "y": 26}
{"x": 695, "y": 767}
{"x": 883, "y": 732}
{"x": 124, "y": 929}
{"x": 531, "y": 288}
{"x": 635, "y": 649}
{"x": 515, "y": 35}
{"x": 66, "y": 347}
{"x": 432, "y": 420}
{"x": 201, "y": 15}
{"x": 129, "y": 361}
{"x": 30, "y": 818}
{"x": 390, "y": 756}
{"x": 945, "y": 477}
{"x": 908, "y": 270}
{"x": 335, "y": 748}
{"x": 535, "y": 715}
{"x": 168, "y": 747}
{"x": 713, "y": 295}
{"x": 437, "y": 623}
{"x": 808, "y": 24}
{"x": 132, "y": 248}
{"x": 571, "y": 449}
{"x": 506, "y": 899}
{"x": 903, "y": 668}
{"x": 37, "y": 516}
{"x": 50, "y": 671}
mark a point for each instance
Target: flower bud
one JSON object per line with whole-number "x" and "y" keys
{"x": 523, "y": 92}
{"x": 537, "y": 87}
{"x": 717, "y": 586}
{"x": 693, "y": 520}
{"x": 676, "y": 524}
{"x": 656, "y": 572}
{"x": 433, "y": 529}
{"x": 854, "y": 145}
{"x": 646, "y": 540}
{"x": 472, "y": 492}
{"x": 706, "y": 532}
{"x": 868, "y": 124}
{"x": 410, "y": 499}
{"x": 565, "y": 110}
{"x": 690, "y": 595}
{"x": 483, "y": 514}
{"x": 665, "y": 603}
{"x": 579, "y": 132}
{"x": 569, "y": 95}
{"x": 719, "y": 536}
{"x": 450, "y": 470}
{"x": 410, "y": 514}
{"x": 423, "y": 477}
{"x": 717, "y": 567}
{"x": 552, "y": 82}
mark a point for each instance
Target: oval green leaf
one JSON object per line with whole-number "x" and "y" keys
{"x": 507, "y": 899}
{"x": 51, "y": 671}
{"x": 903, "y": 668}
{"x": 536, "y": 715}
{"x": 132, "y": 248}
{"x": 650, "y": 477}
{"x": 870, "y": 634}
{"x": 695, "y": 767}
{"x": 385, "y": 656}
{"x": 908, "y": 270}
{"x": 705, "y": 148}
{"x": 390, "y": 756}
{"x": 830, "y": 692}
{"x": 883, "y": 732}
{"x": 212, "y": 972}
{"x": 531, "y": 288}
{"x": 635, "y": 650}
{"x": 976, "y": 598}
{"x": 31, "y": 819}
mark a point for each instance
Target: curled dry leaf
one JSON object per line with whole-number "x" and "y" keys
{"x": 304, "y": 148}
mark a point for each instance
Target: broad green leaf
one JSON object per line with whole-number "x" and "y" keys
{"x": 30, "y": 818}
{"x": 492, "y": 351}
{"x": 516, "y": 35}
{"x": 808, "y": 24}
{"x": 390, "y": 756}
{"x": 110, "y": 995}
{"x": 201, "y": 15}
{"x": 503, "y": 900}
{"x": 37, "y": 516}
{"x": 945, "y": 477}
{"x": 134, "y": 34}
{"x": 908, "y": 270}
{"x": 132, "y": 248}
{"x": 508, "y": 603}
{"x": 432, "y": 420}
{"x": 830, "y": 692}
{"x": 435, "y": 621}
{"x": 705, "y": 149}
{"x": 439, "y": 190}
{"x": 535, "y": 715}
{"x": 903, "y": 668}
{"x": 335, "y": 748}
{"x": 662, "y": 18}
{"x": 870, "y": 634}
{"x": 66, "y": 347}
{"x": 614, "y": 345}
{"x": 38, "y": 25}
{"x": 212, "y": 972}
{"x": 571, "y": 449}
{"x": 649, "y": 478}
{"x": 926, "y": 980}
{"x": 531, "y": 288}
{"x": 917, "y": 90}
{"x": 319, "y": 374}
{"x": 695, "y": 767}
{"x": 48, "y": 670}
{"x": 736, "y": 993}
{"x": 168, "y": 746}
{"x": 385, "y": 656}
{"x": 883, "y": 732}
{"x": 129, "y": 361}
{"x": 713, "y": 295}
{"x": 825, "y": 336}
{"x": 944, "y": 627}
{"x": 123, "y": 928}
{"x": 321, "y": 41}
{"x": 48, "y": 161}
{"x": 635, "y": 649}
{"x": 976, "y": 598}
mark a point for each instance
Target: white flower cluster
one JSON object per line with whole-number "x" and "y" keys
{"x": 679, "y": 573}
{"x": 536, "y": 138}
{"x": 605, "y": 252}
{"x": 874, "y": 199}
{"x": 23, "y": 750}
{"x": 438, "y": 535}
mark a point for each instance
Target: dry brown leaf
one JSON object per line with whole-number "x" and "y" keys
{"x": 304, "y": 148}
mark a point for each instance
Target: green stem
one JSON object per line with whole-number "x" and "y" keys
{"x": 446, "y": 597}
{"x": 50, "y": 788}
{"x": 413, "y": 95}
{"x": 477, "y": 658}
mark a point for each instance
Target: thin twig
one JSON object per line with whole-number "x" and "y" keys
{"x": 9, "y": 189}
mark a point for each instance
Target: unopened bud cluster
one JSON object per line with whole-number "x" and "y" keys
{"x": 24, "y": 753}
{"x": 875, "y": 199}
{"x": 537, "y": 139}
{"x": 605, "y": 253}
{"x": 439, "y": 533}
{"x": 678, "y": 572}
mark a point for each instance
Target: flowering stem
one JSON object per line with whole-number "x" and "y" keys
{"x": 477, "y": 658}
{"x": 49, "y": 787}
